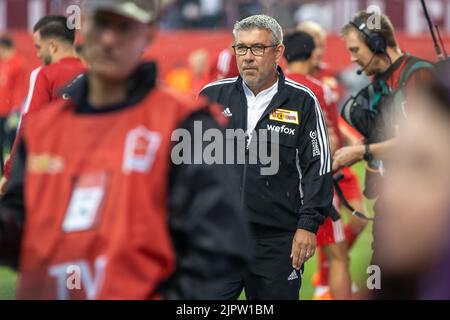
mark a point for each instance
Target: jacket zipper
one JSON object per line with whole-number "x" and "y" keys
{"x": 272, "y": 105}
{"x": 244, "y": 174}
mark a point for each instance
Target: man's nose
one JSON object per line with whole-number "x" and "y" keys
{"x": 249, "y": 55}
{"x": 109, "y": 36}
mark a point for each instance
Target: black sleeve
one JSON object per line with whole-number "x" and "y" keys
{"x": 12, "y": 211}
{"x": 209, "y": 230}
{"x": 315, "y": 164}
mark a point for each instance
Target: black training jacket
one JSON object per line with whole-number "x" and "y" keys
{"x": 300, "y": 194}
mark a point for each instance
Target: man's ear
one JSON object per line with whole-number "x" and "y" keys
{"x": 53, "y": 46}
{"x": 279, "y": 52}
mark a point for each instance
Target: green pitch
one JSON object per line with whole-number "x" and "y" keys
{"x": 360, "y": 254}
{"x": 7, "y": 284}
{"x": 359, "y": 260}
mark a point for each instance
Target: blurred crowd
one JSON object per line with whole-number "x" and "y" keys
{"x": 223, "y": 14}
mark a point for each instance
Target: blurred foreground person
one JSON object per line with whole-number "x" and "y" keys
{"x": 107, "y": 214}
{"x": 414, "y": 242}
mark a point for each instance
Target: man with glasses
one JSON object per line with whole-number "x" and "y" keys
{"x": 285, "y": 209}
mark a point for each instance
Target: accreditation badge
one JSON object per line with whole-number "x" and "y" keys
{"x": 86, "y": 202}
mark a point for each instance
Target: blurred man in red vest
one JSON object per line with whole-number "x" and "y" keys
{"x": 98, "y": 188}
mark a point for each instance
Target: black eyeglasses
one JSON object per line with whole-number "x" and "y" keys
{"x": 256, "y": 50}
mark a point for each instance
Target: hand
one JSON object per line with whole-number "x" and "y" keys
{"x": 347, "y": 156}
{"x": 303, "y": 247}
{"x": 2, "y": 186}
{"x": 360, "y": 142}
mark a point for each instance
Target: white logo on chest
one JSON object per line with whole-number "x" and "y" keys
{"x": 141, "y": 146}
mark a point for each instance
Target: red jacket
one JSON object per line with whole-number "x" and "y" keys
{"x": 46, "y": 81}
{"x": 12, "y": 91}
{"x": 324, "y": 96}
{"x": 105, "y": 213}
{"x": 45, "y": 84}
{"x": 328, "y": 76}
{"x": 224, "y": 66}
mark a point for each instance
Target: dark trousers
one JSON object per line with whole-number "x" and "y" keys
{"x": 270, "y": 276}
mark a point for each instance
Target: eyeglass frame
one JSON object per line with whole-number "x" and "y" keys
{"x": 251, "y": 50}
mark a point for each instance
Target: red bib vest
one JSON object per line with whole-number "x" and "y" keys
{"x": 96, "y": 200}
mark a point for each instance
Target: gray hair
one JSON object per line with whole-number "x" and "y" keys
{"x": 260, "y": 21}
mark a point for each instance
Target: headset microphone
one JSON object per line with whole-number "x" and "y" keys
{"x": 360, "y": 71}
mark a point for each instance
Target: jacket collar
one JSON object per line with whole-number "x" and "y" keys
{"x": 139, "y": 85}
{"x": 278, "y": 99}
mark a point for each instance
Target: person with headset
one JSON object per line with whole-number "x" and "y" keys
{"x": 395, "y": 74}
{"x": 376, "y": 110}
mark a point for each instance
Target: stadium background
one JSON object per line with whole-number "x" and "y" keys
{"x": 189, "y": 25}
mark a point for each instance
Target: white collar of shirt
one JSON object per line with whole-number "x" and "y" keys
{"x": 256, "y": 105}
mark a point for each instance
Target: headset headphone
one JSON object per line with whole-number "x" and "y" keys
{"x": 375, "y": 41}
